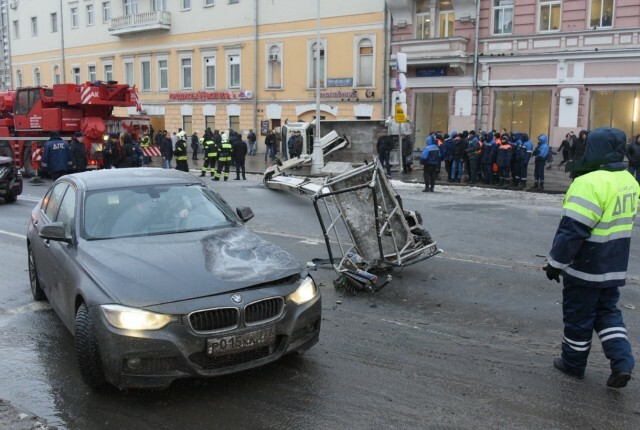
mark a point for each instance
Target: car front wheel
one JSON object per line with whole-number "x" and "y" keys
{"x": 36, "y": 289}
{"x": 10, "y": 198}
{"x": 87, "y": 350}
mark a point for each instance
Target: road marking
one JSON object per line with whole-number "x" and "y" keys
{"x": 10, "y": 233}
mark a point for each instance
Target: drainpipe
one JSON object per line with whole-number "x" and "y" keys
{"x": 475, "y": 70}
{"x": 385, "y": 66}
{"x": 255, "y": 71}
{"x": 64, "y": 67}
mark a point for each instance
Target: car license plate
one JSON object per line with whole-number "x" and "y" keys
{"x": 241, "y": 342}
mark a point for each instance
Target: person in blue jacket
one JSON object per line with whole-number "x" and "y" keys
{"x": 591, "y": 251}
{"x": 540, "y": 153}
{"x": 56, "y": 158}
{"x": 526, "y": 150}
{"x": 430, "y": 159}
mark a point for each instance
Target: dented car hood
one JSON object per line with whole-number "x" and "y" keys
{"x": 151, "y": 270}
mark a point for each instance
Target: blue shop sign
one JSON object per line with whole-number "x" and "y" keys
{"x": 340, "y": 82}
{"x": 430, "y": 72}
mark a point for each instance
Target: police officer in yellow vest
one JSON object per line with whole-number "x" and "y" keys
{"x": 591, "y": 252}
{"x": 210, "y": 154}
{"x": 225, "y": 153}
{"x": 180, "y": 152}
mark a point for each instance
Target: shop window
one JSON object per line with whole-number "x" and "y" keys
{"x": 317, "y": 60}
{"x": 549, "y": 15}
{"x": 210, "y": 122}
{"x": 601, "y": 13}
{"x": 431, "y": 114}
{"x": 619, "y": 109}
{"x": 187, "y": 124}
{"x": 274, "y": 67}
{"x": 234, "y": 122}
{"x": 524, "y": 111}
{"x": 502, "y": 16}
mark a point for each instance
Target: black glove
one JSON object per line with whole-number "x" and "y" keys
{"x": 552, "y": 273}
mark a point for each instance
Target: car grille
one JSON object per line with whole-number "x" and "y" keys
{"x": 264, "y": 310}
{"x": 214, "y": 319}
{"x": 222, "y": 361}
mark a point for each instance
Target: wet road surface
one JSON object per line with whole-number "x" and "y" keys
{"x": 464, "y": 340}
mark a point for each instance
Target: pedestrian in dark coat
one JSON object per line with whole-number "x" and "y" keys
{"x": 239, "y": 155}
{"x": 78, "y": 152}
{"x": 633, "y": 154}
{"x": 166, "y": 148}
{"x": 383, "y": 147}
{"x": 446, "y": 150}
{"x": 407, "y": 151}
{"x": 195, "y": 144}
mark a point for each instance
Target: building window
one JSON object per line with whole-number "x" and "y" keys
{"x": 91, "y": 70}
{"x": 431, "y": 113}
{"x": 185, "y": 67}
{"x": 316, "y": 58}
{"x": 57, "y": 79}
{"x": 549, "y": 15}
{"x": 233, "y": 71}
{"x": 502, "y": 16}
{"x": 128, "y": 73}
{"x": 130, "y": 7}
{"x": 601, "y": 13}
{"x": 187, "y": 124}
{"x": 74, "y": 17}
{"x": 208, "y": 3}
{"x": 163, "y": 75}
{"x": 447, "y": 17}
{"x": 365, "y": 63}
{"x": 19, "y": 82}
{"x": 210, "y": 122}
{"x": 16, "y": 30}
{"x": 234, "y": 122}
{"x": 210, "y": 72}
{"x": 34, "y": 25}
{"x": 186, "y": 4}
{"x": 36, "y": 77}
{"x": 106, "y": 11}
{"x": 159, "y": 5}
{"x": 54, "y": 22}
{"x": 90, "y": 14}
{"x": 423, "y": 19}
{"x": 619, "y": 109}
{"x": 145, "y": 67}
{"x": 108, "y": 72}
{"x": 75, "y": 75}
{"x": 234, "y": 1}
{"x": 526, "y": 111}
{"x": 274, "y": 67}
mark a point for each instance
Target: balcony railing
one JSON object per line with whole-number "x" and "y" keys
{"x": 451, "y": 51}
{"x": 160, "y": 20}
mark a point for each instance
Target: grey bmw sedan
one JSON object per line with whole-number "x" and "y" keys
{"x": 157, "y": 278}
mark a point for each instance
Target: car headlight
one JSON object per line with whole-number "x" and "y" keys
{"x": 305, "y": 292}
{"x": 134, "y": 319}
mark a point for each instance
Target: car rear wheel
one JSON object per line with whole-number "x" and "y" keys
{"x": 36, "y": 289}
{"x": 10, "y": 198}
{"x": 87, "y": 350}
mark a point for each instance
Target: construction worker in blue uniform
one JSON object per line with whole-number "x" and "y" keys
{"x": 540, "y": 153}
{"x": 526, "y": 150}
{"x": 591, "y": 252}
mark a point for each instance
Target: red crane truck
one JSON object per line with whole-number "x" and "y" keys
{"x": 29, "y": 114}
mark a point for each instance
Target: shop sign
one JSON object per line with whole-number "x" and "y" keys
{"x": 339, "y": 94}
{"x": 430, "y": 72}
{"x": 212, "y": 95}
{"x": 340, "y": 82}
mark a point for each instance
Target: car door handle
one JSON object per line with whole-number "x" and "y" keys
{"x": 46, "y": 243}
{"x": 35, "y": 222}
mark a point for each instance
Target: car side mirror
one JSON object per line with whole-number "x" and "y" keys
{"x": 54, "y": 231}
{"x": 245, "y": 213}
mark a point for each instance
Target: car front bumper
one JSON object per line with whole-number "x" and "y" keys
{"x": 152, "y": 359}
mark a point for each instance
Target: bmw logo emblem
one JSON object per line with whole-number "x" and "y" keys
{"x": 236, "y": 298}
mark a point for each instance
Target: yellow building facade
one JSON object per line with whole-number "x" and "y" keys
{"x": 197, "y": 64}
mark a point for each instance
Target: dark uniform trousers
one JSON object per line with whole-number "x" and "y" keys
{"x": 578, "y": 304}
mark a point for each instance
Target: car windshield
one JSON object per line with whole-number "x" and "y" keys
{"x": 153, "y": 210}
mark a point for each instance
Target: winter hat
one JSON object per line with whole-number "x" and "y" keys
{"x": 225, "y": 136}
{"x": 453, "y": 134}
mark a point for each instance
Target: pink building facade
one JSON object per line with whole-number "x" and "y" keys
{"x": 534, "y": 66}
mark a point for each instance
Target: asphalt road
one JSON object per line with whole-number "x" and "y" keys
{"x": 463, "y": 340}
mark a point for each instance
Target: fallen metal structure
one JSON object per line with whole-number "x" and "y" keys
{"x": 366, "y": 230}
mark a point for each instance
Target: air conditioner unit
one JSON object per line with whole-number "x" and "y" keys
{"x": 273, "y": 57}
{"x": 13, "y": 4}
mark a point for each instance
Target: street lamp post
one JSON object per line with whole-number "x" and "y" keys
{"x": 317, "y": 157}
